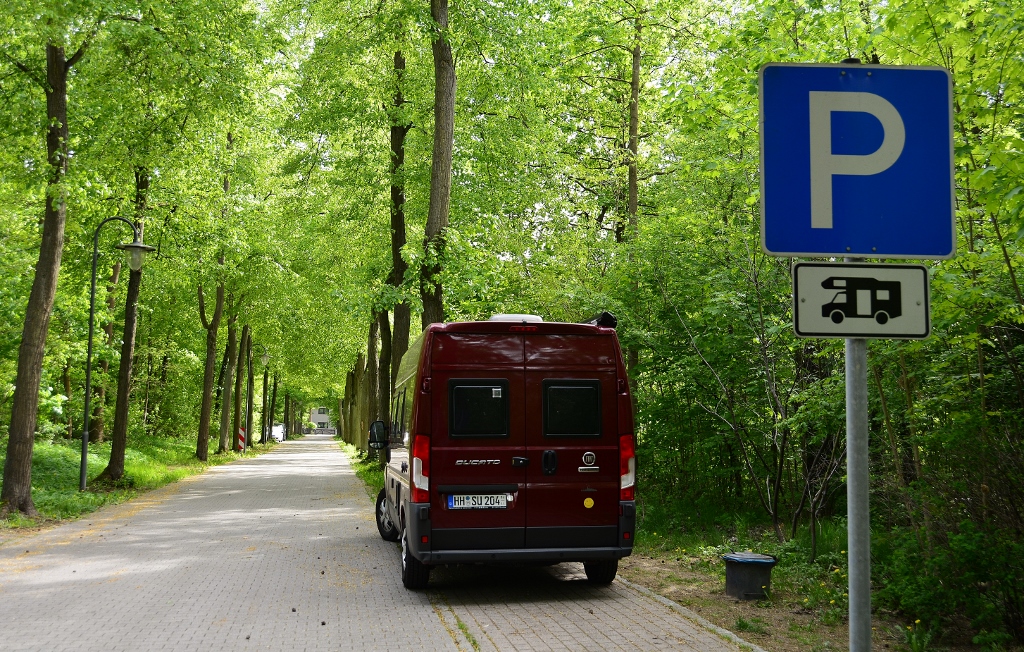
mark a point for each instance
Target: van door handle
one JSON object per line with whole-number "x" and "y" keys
{"x": 549, "y": 462}
{"x": 520, "y": 461}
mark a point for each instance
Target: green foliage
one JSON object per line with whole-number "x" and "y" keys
{"x": 918, "y": 637}
{"x": 974, "y": 573}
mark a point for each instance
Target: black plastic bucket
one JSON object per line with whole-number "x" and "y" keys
{"x": 748, "y": 575}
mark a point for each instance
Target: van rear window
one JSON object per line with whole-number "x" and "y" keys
{"x": 477, "y": 408}
{"x": 572, "y": 408}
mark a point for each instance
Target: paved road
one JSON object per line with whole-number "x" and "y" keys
{"x": 280, "y": 552}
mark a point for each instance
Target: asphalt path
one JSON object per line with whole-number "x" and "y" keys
{"x": 280, "y": 552}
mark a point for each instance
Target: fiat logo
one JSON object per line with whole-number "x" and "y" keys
{"x": 589, "y": 458}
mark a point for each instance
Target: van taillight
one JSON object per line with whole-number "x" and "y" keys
{"x": 627, "y": 468}
{"x": 421, "y": 469}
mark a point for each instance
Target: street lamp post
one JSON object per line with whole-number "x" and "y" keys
{"x": 136, "y": 251}
{"x": 265, "y": 359}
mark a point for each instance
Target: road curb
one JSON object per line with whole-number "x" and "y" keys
{"x": 692, "y": 616}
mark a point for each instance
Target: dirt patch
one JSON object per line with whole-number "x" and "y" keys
{"x": 778, "y": 625}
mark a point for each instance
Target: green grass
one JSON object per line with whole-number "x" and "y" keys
{"x": 819, "y": 586}
{"x": 755, "y": 625}
{"x": 367, "y": 470}
{"x": 149, "y": 463}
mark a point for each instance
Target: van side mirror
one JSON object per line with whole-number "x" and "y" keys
{"x": 378, "y": 435}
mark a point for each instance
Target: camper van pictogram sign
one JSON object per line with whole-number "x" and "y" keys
{"x": 860, "y": 300}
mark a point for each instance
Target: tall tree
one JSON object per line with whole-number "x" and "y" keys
{"x": 248, "y": 391}
{"x": 115, "y": 466}
{"x": 431, "y": 293}
{"x": 17, "y": 489}
{"x": 237, "y": 421}
{"x": 399, "y": 129}
{"x": 211, "y": 326}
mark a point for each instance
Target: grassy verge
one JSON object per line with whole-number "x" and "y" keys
{"x": 819, "y": 586}
{"x": 149, "y": 464}
{"x": 367, "y": 470}
{"x": 807, "y": 606}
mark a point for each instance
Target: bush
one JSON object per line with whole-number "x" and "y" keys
{"x": 973, "y": 573}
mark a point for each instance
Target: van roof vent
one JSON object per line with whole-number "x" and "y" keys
{"x": 519, "y": 318}
{"x": 605, "y": 319}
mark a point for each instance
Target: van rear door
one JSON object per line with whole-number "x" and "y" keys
{"x": 478, "y": 465}
{"x": 572, "y": 440}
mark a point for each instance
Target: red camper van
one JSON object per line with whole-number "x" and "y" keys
{"x": 512, "y": 440}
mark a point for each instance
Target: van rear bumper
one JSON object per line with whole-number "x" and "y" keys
{"x": 423, "y": 548}
{"x": 522, "y": 554}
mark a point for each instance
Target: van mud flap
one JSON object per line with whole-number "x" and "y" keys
{"x": 418, "y": 525}
{"x": 627, "y": 523}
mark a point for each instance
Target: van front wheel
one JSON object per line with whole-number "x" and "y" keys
{"x": 385, "y": 525}
{"x": 415, "y": 574}
{"x": 601, "y": 572}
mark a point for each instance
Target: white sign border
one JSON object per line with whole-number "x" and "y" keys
{"x": 842, "y": 264}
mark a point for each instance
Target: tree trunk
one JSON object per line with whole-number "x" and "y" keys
{"x": 399, "y": 129}
{"x": 399, "y": 339}
{"x": 633, "y": 192}
{"x": 350, "y": 390}
{"x": 342, "y": 410}
{"x": 372, "y": 397}
{"x": 119, "y": 442}
{"x": 236, "y": 421}
{"x": 225, "y": 392}
{"x": 249, "y": 391}
{"x": 440, "y": 169}
{"x": 211, "y": 326}
{"x": 17, "y": 486}
{"x": 220, "y": 380}
{"x": 149, "y": 378}
{"x": 273, "y": 405}
{"x": 263, "y": 411}
{"x": 115, "y": 467}
{"x": 359, "y": 402}
{"x": 287, "y": 414}
{"x": 384, "y": 368}
{"x": 634, "y": 130}
{"x": 66, "y": 377}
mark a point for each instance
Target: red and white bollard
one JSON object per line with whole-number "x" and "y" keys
{"x": 241, "y": 440}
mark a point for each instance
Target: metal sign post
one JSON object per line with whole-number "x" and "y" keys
{"x": 858, "y": 535}
{"x": 857, "y": 161}
{"x": 858, "y": 521}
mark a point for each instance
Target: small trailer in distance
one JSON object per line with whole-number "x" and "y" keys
{"x": 512, "y": 440}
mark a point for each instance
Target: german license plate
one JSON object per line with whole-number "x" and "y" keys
{"x": 477, "y": 501}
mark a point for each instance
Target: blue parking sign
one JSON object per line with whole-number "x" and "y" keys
{"x": 857, "y": 160}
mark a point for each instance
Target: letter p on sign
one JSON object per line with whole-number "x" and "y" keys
{"x": 856, "y": 160}
{"x": 825, "y": 164}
